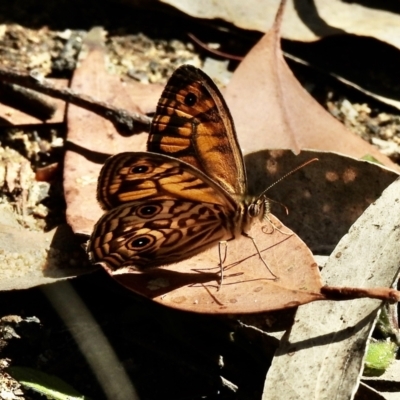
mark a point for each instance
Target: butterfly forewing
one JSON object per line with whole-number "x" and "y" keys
{"x": 128, "y": 177}
{"x": 193, "y": 123}
{"x": 186, "y": 194}
{"x": 147, "y": 234}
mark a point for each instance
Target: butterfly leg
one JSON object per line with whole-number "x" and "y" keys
{"x": 222, "y": 260}
{"x": 260, "y": 255}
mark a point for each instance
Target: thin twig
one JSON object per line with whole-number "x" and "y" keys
{"x": 214, "y": 51}
{"x": 123, "y": 120}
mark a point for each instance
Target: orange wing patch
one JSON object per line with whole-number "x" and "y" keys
{"x": 193, "y": 123}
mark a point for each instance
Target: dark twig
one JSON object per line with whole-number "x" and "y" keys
{"x": 123, "y": 120}
{"x": 26, "y": 100}
{"x": 214, "y": 51}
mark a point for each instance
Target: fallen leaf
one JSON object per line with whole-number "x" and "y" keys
{"x": 177, "y": 285}
{"x": 306, "y": 21}
{"x": 343, "y": 36}
{"x": 332, "y": 336}
{"x": 248, "y": 287}
{"x": 91, "y": 139}
{"x": 192, "y": 284}
{"x": 47, "y": 385}
{"x": 272, "y": 110}
{"x": 324, "y": 198}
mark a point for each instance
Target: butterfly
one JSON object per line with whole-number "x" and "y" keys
{"x": 186, "y": 194}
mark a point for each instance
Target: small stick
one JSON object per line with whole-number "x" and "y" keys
{"x": 123, "y": 120}
{"x": 349, "y": 293}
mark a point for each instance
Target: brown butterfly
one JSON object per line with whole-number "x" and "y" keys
{"x": 188, "y": 193}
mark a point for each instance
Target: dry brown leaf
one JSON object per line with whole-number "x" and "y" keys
{"x": 248, "y": 287}
{"x": 322, "y": 214}
{"x": 323, "y": 199}
{"x": 191, "y": 285}
{"x": 272, "y": 110}
{"x": 197, "y": 291}
{"x": 306, "y": 21}
{"x": 91, "y": 138}
{"x": 346, "y": 57}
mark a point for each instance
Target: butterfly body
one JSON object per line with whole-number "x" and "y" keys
{"x": 185, "y": 195}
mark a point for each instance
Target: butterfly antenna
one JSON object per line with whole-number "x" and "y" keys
{"x": 287, "y": 174}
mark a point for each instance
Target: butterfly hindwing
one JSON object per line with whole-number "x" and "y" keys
{"x": 151, "y": 233}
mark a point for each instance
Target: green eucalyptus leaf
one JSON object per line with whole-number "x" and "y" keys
{"x": 47, "y": 385}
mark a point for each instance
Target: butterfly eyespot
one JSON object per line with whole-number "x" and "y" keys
{"x": 139, "y": 169}
{"x": 141, "y": 242}
{"x": 148, "y": 210}
{"x": 190, "y": 99}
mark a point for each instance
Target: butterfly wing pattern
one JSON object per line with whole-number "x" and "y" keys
{"x": 194, "y": 124}
{"x": 183, "y": 196}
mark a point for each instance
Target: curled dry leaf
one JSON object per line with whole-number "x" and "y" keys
{"x": 332, "y": 336}
{"x": 348, "y": 30}
{"x": 305, "y": 21}
{"x": 273, "y": 111}
{"x": 47, "y": 173}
